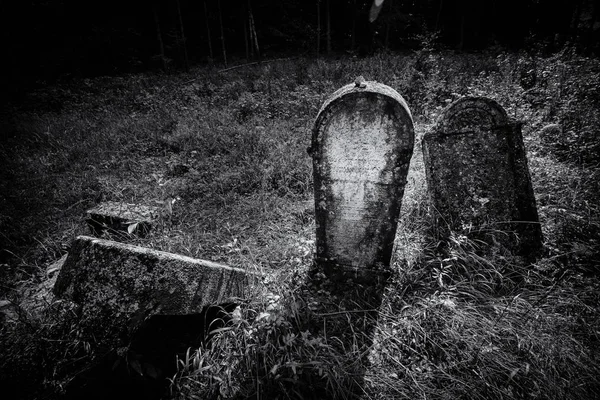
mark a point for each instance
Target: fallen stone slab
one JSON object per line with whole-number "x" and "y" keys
{"x": 118, "y": 286}
{"x": 118, "y": 217}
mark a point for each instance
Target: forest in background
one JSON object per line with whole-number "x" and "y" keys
{"x": 50, "y": 39}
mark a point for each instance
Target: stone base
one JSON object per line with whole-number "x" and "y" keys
{"x": 344, "y": 273}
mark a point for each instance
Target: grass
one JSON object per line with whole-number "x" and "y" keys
{"x": 224, "y": 153}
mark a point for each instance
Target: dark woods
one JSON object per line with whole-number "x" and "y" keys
{"x": 47, "y": 39}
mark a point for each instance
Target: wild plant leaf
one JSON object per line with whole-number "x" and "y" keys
{"x": 132, "y": 227}
{"x": 136, "y": 366}
{"x": 151, "y": 371}
{"x": 219, "y": 330}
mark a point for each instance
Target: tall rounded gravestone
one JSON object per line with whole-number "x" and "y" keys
{"x": 362, "y": 143}
{"x": 478, "y": 179}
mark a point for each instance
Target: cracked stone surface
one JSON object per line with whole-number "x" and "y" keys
{"x": 361, "y": 146}
{"x": 118, "y": 285}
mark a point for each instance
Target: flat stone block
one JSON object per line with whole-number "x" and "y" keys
{"x": 118, "y": 285}
{"x": 123, "y": 218}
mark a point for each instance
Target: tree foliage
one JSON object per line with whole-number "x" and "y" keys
{"x": 51, "y": 38}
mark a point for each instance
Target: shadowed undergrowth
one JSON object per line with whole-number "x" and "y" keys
{"x": 224, "y": 156}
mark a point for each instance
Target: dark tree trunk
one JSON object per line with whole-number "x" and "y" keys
{"x": 461, "y": 40}
{"x": 222, "y": 33}
{"x": 161, "y": 47}
{"x": 594, "y": 34}
{"x": 186, "y": 62}
{"x": 210, "y": 49}
{"x": 318, "y": 27}
{"x": 462, "y": 9}
{"x": 353, "y": 32}
{"x": 328, "y": 28}
{"x": 246, "y": 42}
{"x": 253, "y": 36}
{"x": 439, "y": 13}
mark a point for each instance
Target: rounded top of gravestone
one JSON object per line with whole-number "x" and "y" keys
{"x": 472, "y": 114}
{"x": 361, "y": 87}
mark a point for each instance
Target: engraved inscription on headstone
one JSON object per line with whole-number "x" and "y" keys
{"x": 477, "y": 176}
{"x": 362, "y": 144}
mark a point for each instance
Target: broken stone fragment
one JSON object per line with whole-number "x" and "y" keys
{"x": 118, "y": 285}
{"x": 123, "y": 218}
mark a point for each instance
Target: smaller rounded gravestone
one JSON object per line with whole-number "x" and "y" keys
{"x": 477, "y": 176}
{"x": 361, "y": 146}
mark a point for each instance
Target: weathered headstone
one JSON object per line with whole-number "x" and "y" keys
{"x": 123, "y": 218}
{"x": 362, "y": 143}
{"x": 117, "y": 285}
{"x": 477, "y": 176}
